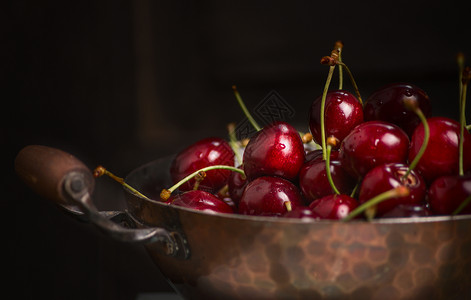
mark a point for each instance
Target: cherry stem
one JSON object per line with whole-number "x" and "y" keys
{"x": 288, "y": 205}
{"x": 355, "y": 188}
{"x": 400, "y": 191}
{"x": 166, "y": 192}
{"x": 233, "y": 142}
{"x": 100, "y": 171}
{"x": 355, "y": 87}
{"x": 198, "y": 178}
{"x": 306, "y": 137}
{"x": 244, "y": 109}
{"x": 327, "y": 169}
{"x": 466, "y": 74}
{"x": 412, "y": 105}
{"x": 462, "y": 206}
{"x": 460, "y": 60}
{"x": 324, "y": 96}
{"x": 339, "y": 46}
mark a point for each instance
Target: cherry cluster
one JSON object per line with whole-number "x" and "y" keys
{"x": 384, "y": 157}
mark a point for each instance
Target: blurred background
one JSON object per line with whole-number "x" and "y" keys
{"x": 120, "y": 83}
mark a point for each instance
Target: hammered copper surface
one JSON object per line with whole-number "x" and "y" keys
{"x": 237, "y": 257}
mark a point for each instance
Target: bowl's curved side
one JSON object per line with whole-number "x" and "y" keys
{"x": 255, "y": 258}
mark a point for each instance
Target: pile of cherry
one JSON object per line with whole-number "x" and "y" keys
{"x": 386, "y": 157}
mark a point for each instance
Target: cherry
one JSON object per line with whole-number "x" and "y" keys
{"x": 333, "y": 206}
{"x": 389, "y": 176}
{"x": 303, "y": 213}
{"x": 371, "y": 144}
{"x": 269, "y": 196}
{"x": 446, "y": 193}
{"x": 342, "y": 113}
{"x": 206, "y": 152}
{"x": 276, "y": 150}
{"x": 313, "y": 180}
{"x": 200, "y": 200}
{"x": 228, "y": 200}
{"x": 408, "y": 211}
{"x": 312, "y": 154}
{"x": 236, "y": 185}
{"x": 441, "y": 156}
{"x": 386, "y": 104}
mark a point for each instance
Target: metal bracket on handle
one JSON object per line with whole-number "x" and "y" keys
{"x": 75, "y": 189}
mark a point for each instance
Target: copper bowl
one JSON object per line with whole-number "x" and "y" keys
{"x": 245, "y": 257}
{"x": 222, "y": 256}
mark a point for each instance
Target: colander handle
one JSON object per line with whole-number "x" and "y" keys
{"x": 62, "y": 178}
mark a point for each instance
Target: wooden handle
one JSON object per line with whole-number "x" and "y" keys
{"x": 44, "y": 168}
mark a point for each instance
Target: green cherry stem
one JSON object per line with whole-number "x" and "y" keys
{"x": 100, "y": 171}
{"x": 331, "y": 141}
{"x": 460, "y": 61}
{"x": 411, "y": 104}
{"x": 325, "y": 60}
{"x": 355, "y": 188}
{"x": 198, "y": 178}
{"x": 400, "y": 191}
{"x": 339, "y": 46}
{"x": 165, "y": 194}
{"x": 355, "y": 86}
{"x": 244, "y": 109}
{"x": 462, "y": 206}
{"x": 233, "y": 142}
{"x": 288, "y": 205}
{"x": 466, "y": 76}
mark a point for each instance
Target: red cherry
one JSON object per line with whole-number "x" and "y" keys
{"x": 228, "y": 200}
{"x": 236, "y": 185}
{"x": 386, "y": 177}
{"x": 442, "y": 154}
{"x": 387, "y": 104}
{"x": 334, "y": 207}
{"x": 371, "y": 144}
{"x": 276, "y": 150}
{"x": 310, "y": 155}
{"x": 269, "y": 196}
{"x": 201, "y": 200}
{"x": 446, "y": 193}
{"x": 313, "y": 180}
{"x": 408, "y": 211}
{"x": 204, "y": 153}
{"x": 301, "y": 212}
{"x": 342, "y": 113}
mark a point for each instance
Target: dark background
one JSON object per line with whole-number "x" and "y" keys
{"x": 120, "y": 83}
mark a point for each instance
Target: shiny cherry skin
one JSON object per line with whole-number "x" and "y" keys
{"x": 446, "y": 193}
{"x": 408, "y": 211}
{"x": 371, "y": 144}
{"x": 333, "y": 207}
{"x": 266, "y": 196}
{"x": 228, "y": 200}
{"x": 207, "y": 152}
{"x": 276, "y": 150}
{"x": 387, "y": 104}
{"x": 386, "y": 177}
{"x": 342, "y": 113}
{"x": 303, "y": 213}
{"x": 441, "y": 156}
{"x": 313, "y": 154}
{"x": 236, "y": 185}
{"x": 200, "y": 200}
{"x": 313, "y": 180}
